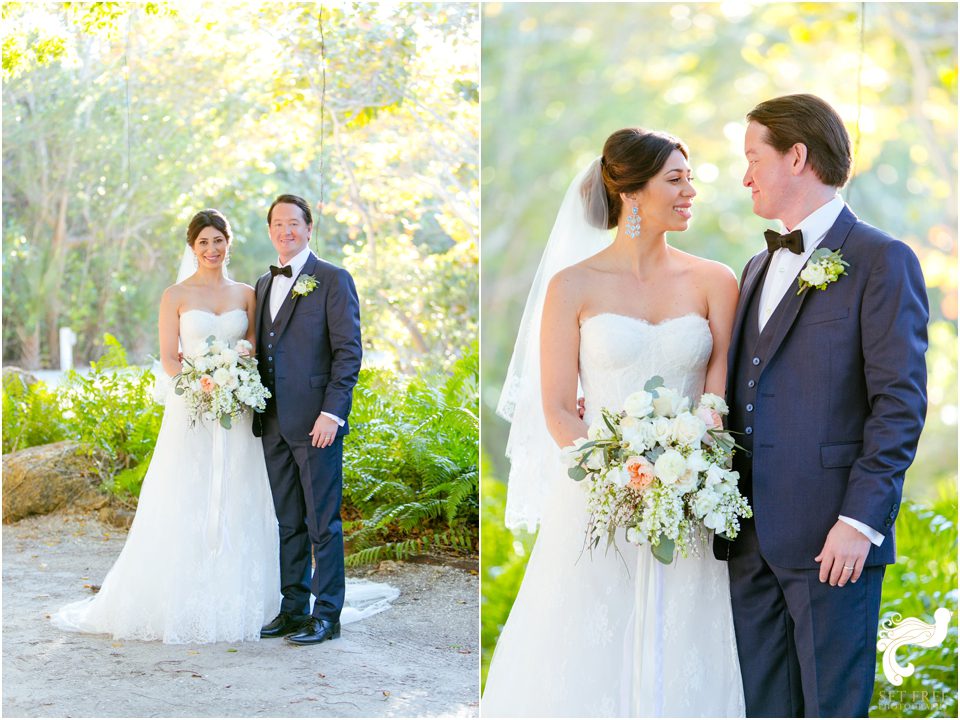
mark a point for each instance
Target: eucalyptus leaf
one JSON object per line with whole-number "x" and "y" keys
{"x": 225, "y": 422}
{"x": 653, "y": 383}
{"x": 663, "y": 551}
{"x": 577, "y": 473}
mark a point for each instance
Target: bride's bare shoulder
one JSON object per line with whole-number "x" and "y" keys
{"x": 706, "y": 269}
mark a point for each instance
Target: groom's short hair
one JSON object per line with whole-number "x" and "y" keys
{"x": 292, "y": 200}
{"x": 809, "y": 120}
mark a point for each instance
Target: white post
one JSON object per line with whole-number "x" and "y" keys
{"x": 68, "y": 339}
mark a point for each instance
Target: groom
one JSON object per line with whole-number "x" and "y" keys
{"x": 828, "y": 388}
{"x": 308, "y": 349}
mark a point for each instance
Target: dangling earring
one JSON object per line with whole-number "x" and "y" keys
{"x": 633, "y": 223}
{"x": 196, "y": 261}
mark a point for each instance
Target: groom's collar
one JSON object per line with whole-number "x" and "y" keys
{"x": 816, "y": 224}
{"x": 298, "y": 261}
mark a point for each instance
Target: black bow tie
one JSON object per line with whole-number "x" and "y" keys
{"x": 792, "y": 241}
{"x": 286, "y": 271}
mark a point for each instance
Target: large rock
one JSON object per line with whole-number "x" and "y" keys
{"x": 11, "y": 373}
{"x": 46, "y": 478}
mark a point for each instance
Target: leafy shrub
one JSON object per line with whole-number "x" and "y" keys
{"x": 923, "y": 579}
{"x": 31, "y": 415}
{"x": 410, "y": 463}
{"x": 113, "y": 408}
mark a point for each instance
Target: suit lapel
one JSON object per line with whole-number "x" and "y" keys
{"x": 789, "y": 308}
{"x": 290, "y": 301}
{"x": 263, "y": 289}
{"x": 751, "y": 281}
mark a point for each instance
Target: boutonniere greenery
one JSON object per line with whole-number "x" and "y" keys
{"x": 304, "y": 285}
{"x": 824, "y": 267}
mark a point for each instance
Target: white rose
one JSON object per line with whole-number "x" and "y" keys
{"x": 688, "y": 429}
{"x": 570, "y": 455}
{"x": 619, "y": 476}
{"x": 217, "y": 347}
{"x": 688, "y": 481}
{"x": 697, "y": 462}
{"x": 704, "y": 501}
{"x": 667, "y": 403}
{"x": 599, "y": 430}
{"x": 639, "y": 404}
{"x": 633, "y": 434}
{"x": 595, "y": 460}
{"x": 231, "y": 357}
{"x": 715, "y": 475}
{"x": 663, "y": 430}
{"x": 670, "y": 466}
{"x": 814, "y": 274}
{"x": 714, "y": 402}
{"x": 221, "y": 376}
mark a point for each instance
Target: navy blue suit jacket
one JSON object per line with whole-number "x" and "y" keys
{"x": 316, "y": 349}
{"x": 841, "y": 399}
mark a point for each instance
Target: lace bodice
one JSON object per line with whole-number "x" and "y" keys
{"x": 619, "y": 353}
{"x": 197, "y": 325}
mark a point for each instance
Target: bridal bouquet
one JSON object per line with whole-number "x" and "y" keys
{"x": 659, "y": 470}
{"x": 221, "y": 383}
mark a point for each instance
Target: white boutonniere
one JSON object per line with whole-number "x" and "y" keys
{"x": 304, "y": 285}
{"x": 824, "y": 267}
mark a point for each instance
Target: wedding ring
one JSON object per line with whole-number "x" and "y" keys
{"x": 848, "y": 567}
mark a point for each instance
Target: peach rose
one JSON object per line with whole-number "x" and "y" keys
{"x": 711, "y": 418}
{"x": 641, "y": 472}
{"x": 207, "y": 384}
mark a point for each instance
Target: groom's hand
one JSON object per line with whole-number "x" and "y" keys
{"x": 324, "y": 432}
{"x": 843, "y": 554}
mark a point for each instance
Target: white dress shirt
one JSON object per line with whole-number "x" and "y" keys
{"x": 782, "y": 273}
{"x": 280, "y": 290}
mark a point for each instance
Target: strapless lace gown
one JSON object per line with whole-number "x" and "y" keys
{"x": 618, "y": 634}
{"x": 201, "y": 561}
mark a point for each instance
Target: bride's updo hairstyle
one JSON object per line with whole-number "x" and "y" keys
{"x": 204, "y": 219}
{"x": 631, "y": 157}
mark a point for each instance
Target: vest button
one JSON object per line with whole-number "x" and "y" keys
{"x": 749, "y": 407}
{"x": 749, "y": 431}
{"x": 752, "y": 383}
{"x": 747, "y": 453}
{"x": 756, "y": 361}
{"x": 271, "y": 334}
{"x": 269, "y": 347}
{"x": 270, "y": 358}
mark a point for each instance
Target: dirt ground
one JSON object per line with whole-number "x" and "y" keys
{"x": 418, "y": 659}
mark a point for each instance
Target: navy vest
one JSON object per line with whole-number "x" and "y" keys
{"x": 266, "y": 344}
{"x": 752, "y": 353}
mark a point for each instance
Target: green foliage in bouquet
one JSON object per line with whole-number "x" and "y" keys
{"x": 503, "y": 562}
{"x": 410, "y": 463}
{"x": 923, "y": 579}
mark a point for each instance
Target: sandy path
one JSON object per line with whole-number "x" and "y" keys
{"x": 420, "y": 658}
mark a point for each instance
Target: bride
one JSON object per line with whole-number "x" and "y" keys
{"x": 200, "y": 564}
{"x": 612, "y": 633}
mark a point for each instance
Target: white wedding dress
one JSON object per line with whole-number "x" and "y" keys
{"x": 618, "y": 633}
{"x": 202, "y": 561}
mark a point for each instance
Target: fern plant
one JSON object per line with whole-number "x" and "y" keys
{"x": 410, "y": 463}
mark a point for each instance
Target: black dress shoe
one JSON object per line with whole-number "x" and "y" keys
{"x": 283, "y": 624}
{"x": 315, "y": 631}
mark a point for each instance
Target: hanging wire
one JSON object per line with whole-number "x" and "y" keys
{"x": 323, "y": 99}
{"x": 126, "y": 94}
{"x": 857, "y": 133}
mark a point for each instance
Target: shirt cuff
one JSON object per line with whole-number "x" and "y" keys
{"x": 874, "y": 537}
{"x": 341, "y": 423}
